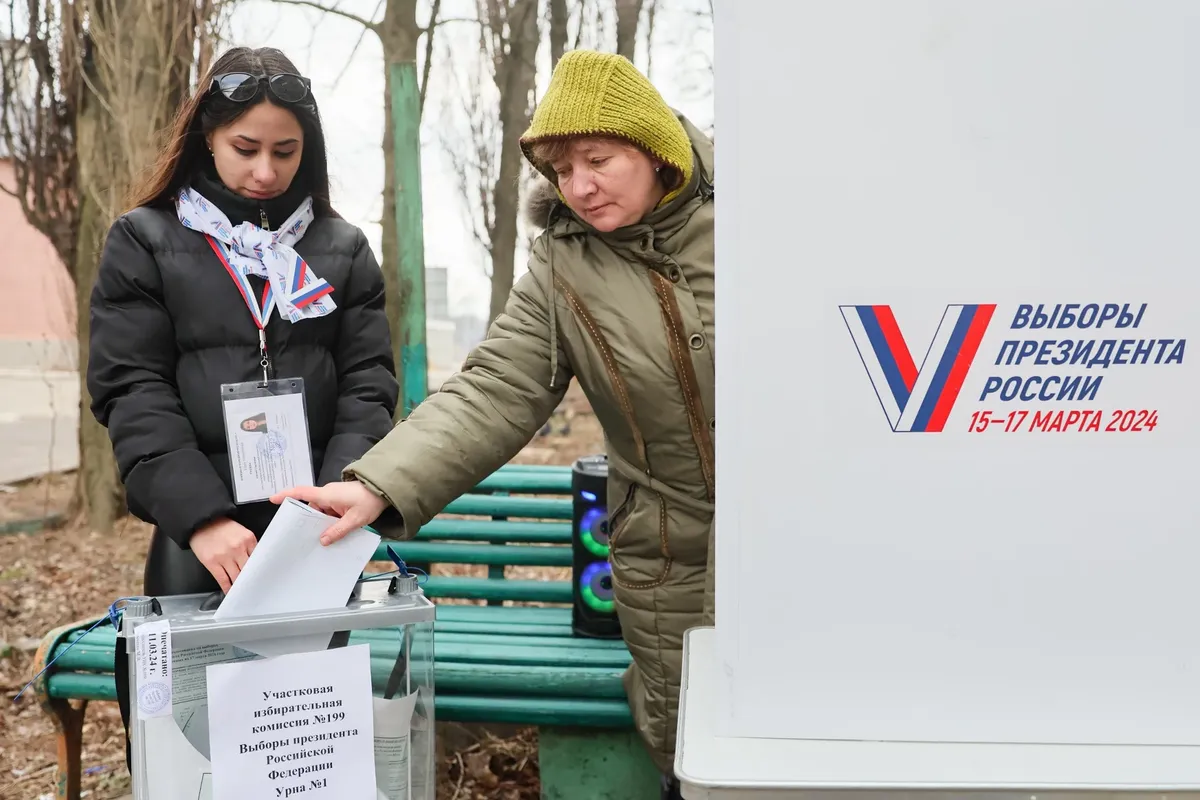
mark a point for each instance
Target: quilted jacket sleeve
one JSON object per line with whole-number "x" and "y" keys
{"x": 131, "y": 363}
{"x": 480, "y": 418}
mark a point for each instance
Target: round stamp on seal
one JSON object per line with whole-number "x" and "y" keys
{"x": 273, "y": 444}
{"x": 154, "y": 696}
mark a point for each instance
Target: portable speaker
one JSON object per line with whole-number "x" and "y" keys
{"x": 592, "y": 610}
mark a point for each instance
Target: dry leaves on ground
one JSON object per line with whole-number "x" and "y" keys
{"x": 502, "y": 769}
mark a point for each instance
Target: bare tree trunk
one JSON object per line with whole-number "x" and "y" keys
{"x": 398, "y": 34}
{"x": 99, "y": 494}
{"x": 628, "y": 14}
{"x": 559, "y": 16}
{"x": 651, "y": 8}
{"x": 141, "y": 54}
{"x": 516, "y": 80}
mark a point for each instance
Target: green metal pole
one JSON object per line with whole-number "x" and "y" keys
{"x": 410, "y": 232}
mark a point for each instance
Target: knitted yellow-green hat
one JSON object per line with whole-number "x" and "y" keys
{"x": 604, "y": 94}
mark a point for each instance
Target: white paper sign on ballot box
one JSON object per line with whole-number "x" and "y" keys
{"x": 297, "y": 725}
{"x": 959, "y": 268}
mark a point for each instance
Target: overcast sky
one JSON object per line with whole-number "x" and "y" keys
{"x": 348, "y": 85}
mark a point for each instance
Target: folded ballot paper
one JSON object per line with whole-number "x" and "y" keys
{"x": 291, "y": 571}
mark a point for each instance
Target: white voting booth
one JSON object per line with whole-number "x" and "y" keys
{"x": 303, "y": 682}
{"x": 956, "y": 536}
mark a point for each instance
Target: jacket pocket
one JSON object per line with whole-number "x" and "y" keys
{"x": 638, "y": 549}
{"x": 618, "y": 519}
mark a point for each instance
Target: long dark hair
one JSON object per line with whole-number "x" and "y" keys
{"x": 186, "y": 152}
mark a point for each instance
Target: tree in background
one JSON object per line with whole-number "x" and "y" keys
{"x": 558, "y": 18}
{"x": 705, "y": 77}
{"x": 497, "y": 100}
{"x": 628, "y": 14}
{"x": 399, "y": 36}
{"x": 87, "y": 88}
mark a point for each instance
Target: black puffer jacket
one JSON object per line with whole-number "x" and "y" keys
{"x": 168, "y": 327}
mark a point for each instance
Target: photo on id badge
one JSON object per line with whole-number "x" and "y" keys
{"x": 267, "y": 431}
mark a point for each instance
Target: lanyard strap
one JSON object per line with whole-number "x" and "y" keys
{"x": 260, "y": 311}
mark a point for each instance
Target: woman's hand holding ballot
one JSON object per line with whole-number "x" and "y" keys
{"x": 351, "y": 501}
{"x": 223, "y": 547}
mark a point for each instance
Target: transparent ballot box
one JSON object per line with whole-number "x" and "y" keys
{"x": 336, "y": 703}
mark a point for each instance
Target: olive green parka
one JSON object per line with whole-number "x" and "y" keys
{"x": 630, "y": 315}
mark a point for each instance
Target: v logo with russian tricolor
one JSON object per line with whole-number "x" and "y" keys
{"x": 917, "y": 400}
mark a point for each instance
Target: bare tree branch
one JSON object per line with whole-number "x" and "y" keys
{"x": 40, "y": 93}
{"x": 354, "y": 51}
{"x": 497, "y": 102}
{"x": 472, "y": 162}
{"x": 337, "y": 12}
{"x": 428, "y": 66}
{"x": 446, "y": 20}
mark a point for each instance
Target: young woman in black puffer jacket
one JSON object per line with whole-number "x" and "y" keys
{"x": 238, "y": 202}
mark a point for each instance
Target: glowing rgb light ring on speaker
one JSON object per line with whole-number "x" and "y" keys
{"x": 595, "y": 585}
{"x": 593, "y": 531}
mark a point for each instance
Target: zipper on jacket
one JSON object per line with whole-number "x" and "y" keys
{"x": 620, "y": 389}
{"x": 685, "y": 371}
{"x": 262, "y": 214}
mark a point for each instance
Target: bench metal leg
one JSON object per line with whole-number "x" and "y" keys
{"x": 69, "y": 718}
{"x": 591, "y": 764}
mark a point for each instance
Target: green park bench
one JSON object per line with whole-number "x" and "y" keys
{"x": 504, "y": 662}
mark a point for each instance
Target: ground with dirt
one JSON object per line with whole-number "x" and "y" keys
{"x": 53, "y": 577}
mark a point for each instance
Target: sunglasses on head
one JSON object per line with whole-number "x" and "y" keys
{"x": 242, "y": 86}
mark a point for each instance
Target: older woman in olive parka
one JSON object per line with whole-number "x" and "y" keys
{"x": 619, "y": 296}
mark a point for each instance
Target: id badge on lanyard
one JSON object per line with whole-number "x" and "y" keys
{"x": 266, "y": 421}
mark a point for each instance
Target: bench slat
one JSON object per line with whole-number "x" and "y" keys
{"x": 512, "y": 468}
{"x": 498, "y": 589}
{"x": 499, "y": 653}
{"x": 106, "y": 636}
{"x": 467, "y": 707}
{"x": 85, "y": 657}
{"x": 591, "y": 713}
{"x": 517, "y": 680}
{"x": 510, "y": 680}
{"x": 527, "y": 555}
{"x": 484, "y": 505}
{"x": 533, "y": 615}
{"x": 492, "y": 530}
{"x": 508, "y": 637}
{"x": 97, "y": 655}
{"x": 94, "y": 653}
{"x": 532, "y": 655}
{"x": 515, "y": 629}
{"x": 502, "y": 637}
{"x": 533, "y": 620}
{"x": 528, "y": 481}
{"x": 467, "y": 633}
{"x": 85, "y": 686}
